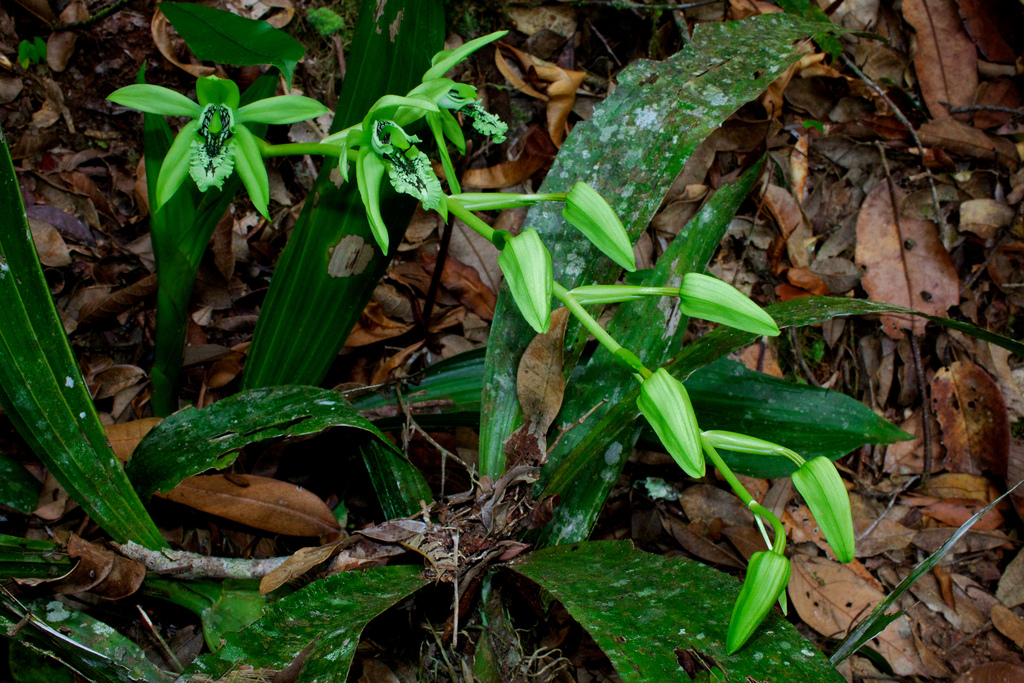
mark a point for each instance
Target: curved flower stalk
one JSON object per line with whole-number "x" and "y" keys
{"x": 216, "y": 142}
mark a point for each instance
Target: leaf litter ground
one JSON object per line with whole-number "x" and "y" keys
{"x": 852, "y": 206}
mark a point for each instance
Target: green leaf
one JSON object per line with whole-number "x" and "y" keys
{"x": 400, "y": 487}
{"x": 192, "y": 441}
{"x": 878, "y": 620}
{"x": 223, "y": 606}
{"x": 645, "y": 611}
{"x": 27, "y": 559}
{"x": 85, "y": 645}
{"x": 30, "y": 665}
{"x": 18, "y": 488}
{"x": 227, "y": 38}
{"x": 330, "y": 267}
{"x": 155, "y": 99}
{"x": 811, "y": 421}
{"x": 43, "y": 391}
{"x": 326, "y": 616}
{"x": 670, "y": 106}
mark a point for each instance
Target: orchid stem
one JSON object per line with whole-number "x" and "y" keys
{"x": 495, "y": 237}
{"x": 269, "y": 150}
{"x": 622, "y": 355}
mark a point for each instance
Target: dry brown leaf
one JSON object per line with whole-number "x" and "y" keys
{"x": 116, "y": 303}
{"x": 100, "y": 572}
{"x": 979, "y": 18}
{"x": 374, "y": 326}
{"x": 114, "y": 379}
{"x": 975, "y": 424}
{"x": 946, "y": 61}
{"x": 984, "y": 217}
{"x": 54, "y": 501}
{"x": 224, "y": 370}
{"x": 805, "y": 279}
{"x": 798, "y": 167}
{"x": 537, "y": 152}
{"x": 707, "y": 502}
{"x": 907, "y": 457}
{"x": 539, "y": 381}
{"x": 955, "y": 515}
{"x": 968, "y": 141}
{"x": 268, "y": 504}
{"x": 125, "y": 436}
{"x": 1010, "y": 590}
{"x": 223, "y": 253}
{"x": 382, "y": 373}
{"x": 931, "y": 540}
{"x": 1009, "y": 624}
{"x": 994, "y": 672}
{"x": 559, "y": 86}
{"x": 761, "y": 358}
{"x": 693, "y": 538}
{"x": 476, "y": 251}
{"x": 464, "y": 282}
{"x": 829, "y": 596}
{"x": 906, "y": 262}
{"x": 298, "y": 564}
{"x": 530, "y": 20}
{"x": 160, "y": 29}
{"x": 999, "y": 92}
{"x": 1015, "y": 473}
{"x": 793, "y": 224}
{"x": 960, "y": 486}
{"x": 50, "y": 246}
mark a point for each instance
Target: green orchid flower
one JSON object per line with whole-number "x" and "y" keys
{"x": 216, "y": 142}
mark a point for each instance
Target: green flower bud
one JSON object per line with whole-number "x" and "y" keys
{"x": 666, "y": 405}
{"x": 526, "y": 263}
{"x": 588, "y": 212}
{"x": 708, "y": 298}
{"x": 767, "y": 576}
{"x": 819, "y": 483}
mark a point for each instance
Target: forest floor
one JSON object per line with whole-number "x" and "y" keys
{"x": 821, "y": 222}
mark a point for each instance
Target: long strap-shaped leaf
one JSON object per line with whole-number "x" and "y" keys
{"x": 43, "y": 390}
{"x": 630, "y": 151}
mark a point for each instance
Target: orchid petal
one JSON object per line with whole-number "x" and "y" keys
{"x": 176, "y": 164}
{"x": 369, "y": 173}
{"x": 283, "y": 109}
{"x": 251, "y": 170}
{"x": 154, "y": 99}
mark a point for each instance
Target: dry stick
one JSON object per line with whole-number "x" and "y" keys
{"x": 186, "y": 565}
{"x": 412, "y": 425}
{"x": 583, "y": 418}
{"x": 969, "y": 108}
{"x": 798, "y": 351}
{"x": 619, "y": 4}
{"x": 178, "y": 668}
{"x": 913, "y": 133}
{"x": 926, "y": 415}
{"x": 892, "y": 499}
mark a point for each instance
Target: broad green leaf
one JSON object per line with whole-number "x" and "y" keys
{"x": 811, "y": 421}
{"x": 226, "y": 38}
{"x": 83, "y": 644}
{"x": 331, "y": 265}
{"x": 669, "y": 106}
{"x": 181, "y": 230}
{"x": 326, "y": 616}
{"x": 28, "y": 665}
{"x": 878, "y": 620}
{"x": 645, "y": 611}
{"x": 223, "y": 606}
{"x": 617, "y": 425}
{"x": 654, "y": 343}
{"x": 400, "y": 487}
{"x": 18, "y": 488}
{"x": 42, "y": 390}
{"x": 192, "y": 441}
{"x": 26, "y": 559}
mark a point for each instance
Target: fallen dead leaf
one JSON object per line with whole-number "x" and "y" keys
{"x": 693, "y": 538}
{"x": 946, "y": 61}
{"x": 268, "y": 504}
{"x": 114, "y": 379}
{"x": 50, "y": 246}
{"x": 975, "y": 424}
{"x": 979, "y": 19}
{"x": 160, "y": 29}
{"x": 984, "y": 217}
{"x": 829, "y": 597}
{"x": 1010, "y": 590}
{"x": 116, "y": 303}
{"x": 298, "y": 564}
{"x": 959, "y": 138}
{"x": 465, "y": 283}
{"x": 792, "y": 223}
{"x": 994, "y": 672}
{"x": 539, "y": 381}
{"x": 1009, "y": 624}
{"x": 125, "y": 436}
{"x": 906, "y": 262}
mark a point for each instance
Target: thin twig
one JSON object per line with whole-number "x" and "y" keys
{"x": 186, "y": 565}
{"x": 580, "y": 421}
{"x": 102, "y": 14}
{"x": 435, "y": 278}
{"x": 413, "y": 426}
{"x": 926, "y": 412}
{"x": 178, "y": 668}
{"x": 969, "y": 108}
{"x": 892, "y": 499}
{"x": 617, "y": 4}
{"x": 800, "y": 359}
{"x": 946, "y": 235}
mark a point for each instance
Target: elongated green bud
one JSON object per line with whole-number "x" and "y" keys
{"x": 708, "y": 298}
{"x": 588, "y": 212}
{"x": 491, "y": 201}
{"x": 741, "y": 443}
{"x": 666, "y": 405}
{"x": 819, "y": 483}
{"x": 767, "y": 576}
{"x": 526, "y": 263}
{"x": 613, "y": 294}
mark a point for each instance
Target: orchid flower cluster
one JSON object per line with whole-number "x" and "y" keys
{"x": 216, "y": 143}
